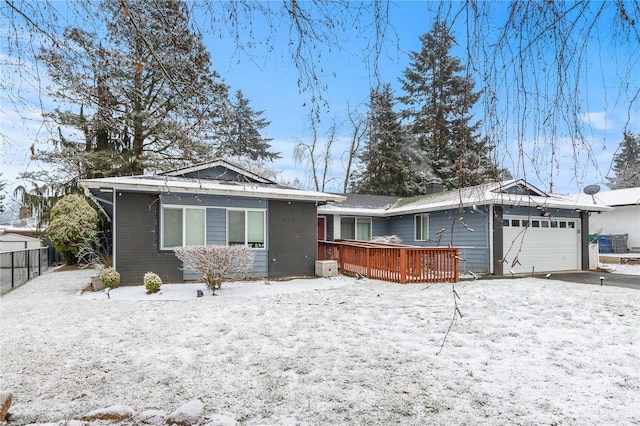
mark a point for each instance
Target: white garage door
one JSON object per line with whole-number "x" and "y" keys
{"x": 540, "y": 244}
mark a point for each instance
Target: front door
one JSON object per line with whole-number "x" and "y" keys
{"x": 322, "y": 228}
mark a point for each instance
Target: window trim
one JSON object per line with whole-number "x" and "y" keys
{"x": 184, "y": 223}
{"x": 246, "y": 227}
{"x": 422, "y": 217}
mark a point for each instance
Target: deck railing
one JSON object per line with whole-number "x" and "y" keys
{"x": 392, "y": 262}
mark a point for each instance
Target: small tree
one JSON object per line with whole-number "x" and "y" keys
{"x": 72, "y": 222}
{"x": 213, "y": 264}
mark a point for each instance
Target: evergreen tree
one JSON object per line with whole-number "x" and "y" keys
{"x": 626, "y": 163}
{"x": 139, "y": 101}
{"x": 243, "y": 136}
{"x": 384, "y": 160}
{"x": 439, "y": 99}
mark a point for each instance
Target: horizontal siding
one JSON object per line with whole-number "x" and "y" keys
{"x": 473, "y": 245}
{"x": 216, "y": 226}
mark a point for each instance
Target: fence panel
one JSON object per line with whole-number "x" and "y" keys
{"x": 18, "y": 267}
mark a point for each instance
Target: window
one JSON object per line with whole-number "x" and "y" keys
{"x": 554, "y": 223}
{"x": 246, "y": 227}
{"x": 505, "y": 222}
{"x": 563, "y": 224}
{"x": 515, "y": 222}
{"x": 183, "y": 226}
{"x": 525, "y": 223}
{"x": 544, "y": 223}
{"x": 422, "y": 227}
{"x": 535, "y": 224}
{"x": 571, "y": 225}
{"x": 355, "y": 228}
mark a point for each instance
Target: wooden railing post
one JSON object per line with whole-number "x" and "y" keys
{"x": 403, "y": 266}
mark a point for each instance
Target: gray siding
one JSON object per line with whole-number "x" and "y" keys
{"x": 216, "y": 226}
{"x": 380, "y": 226}
{"x": 136, "y": 243}
{"x": 473, "y": 245}
{"x": 292, "y": 240}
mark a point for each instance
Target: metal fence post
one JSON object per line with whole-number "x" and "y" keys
{"x": 12, "y": 270}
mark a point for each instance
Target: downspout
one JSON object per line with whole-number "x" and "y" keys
{"x": 490, "y": 238}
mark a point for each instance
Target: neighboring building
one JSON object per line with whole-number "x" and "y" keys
{"x": 212, "y": 203}
{"x": 499, "y": 227}
{"x": 27, "y": 226}
{"x": 624, "y": 219}
{"x": 14, "y": 242}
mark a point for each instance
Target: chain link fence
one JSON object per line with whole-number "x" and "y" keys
{"x": 18, "y": 267}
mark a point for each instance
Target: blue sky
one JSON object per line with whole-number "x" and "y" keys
{"x": 269, "y": 81}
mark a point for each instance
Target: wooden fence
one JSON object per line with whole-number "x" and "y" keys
{"x": 392, "y": 262}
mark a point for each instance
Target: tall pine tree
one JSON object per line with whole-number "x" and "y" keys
{"x": 384, "y": 160}
{"x": 439, "y": 100}
{"x": 243, "y": 132}
{"x": 139, "y": 101}
{"x": 626, "y": 163}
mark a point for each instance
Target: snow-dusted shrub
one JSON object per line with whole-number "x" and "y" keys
{"x": 213, "y": 264}
{"x": 110, "y": 277}
{"x": 72, "y": 221}
{"x": 389, "y": 239}
{"x": 152, "y": 282}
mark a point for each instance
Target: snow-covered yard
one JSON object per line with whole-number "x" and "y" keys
{"x": 327, "y": 351}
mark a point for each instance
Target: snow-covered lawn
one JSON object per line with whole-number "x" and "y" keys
{"x": 327, "y": 351}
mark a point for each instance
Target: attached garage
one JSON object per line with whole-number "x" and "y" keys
{"x": 541, "y": 244}
{"x": 499, "y": 227}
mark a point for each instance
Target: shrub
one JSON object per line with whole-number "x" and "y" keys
{"x": 72, "y": 222}
{"x": 213, "y": 264}
{"x": 152, "y": 282}
{"x": 110, "y": 277}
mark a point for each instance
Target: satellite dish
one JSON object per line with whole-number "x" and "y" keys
{"x": 591, "y": 189}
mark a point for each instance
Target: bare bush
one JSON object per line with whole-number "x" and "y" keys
{"x": 213, "y": 264}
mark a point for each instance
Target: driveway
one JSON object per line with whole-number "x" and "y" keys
{"x": 590, "y": 277}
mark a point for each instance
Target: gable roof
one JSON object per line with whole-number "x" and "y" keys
{"x": 213, "y": 178}
{"x": 224, "y": 167}
{"x": 514, "y": 192}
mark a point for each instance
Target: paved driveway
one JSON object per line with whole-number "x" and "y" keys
{"x": 590, "y": 277}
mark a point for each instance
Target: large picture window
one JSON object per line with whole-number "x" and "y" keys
{"x": 183, "y": 226}
{"x": 355, "y": 228}
{"x": 422, "y": 227}
{"x": 246, "y": 227}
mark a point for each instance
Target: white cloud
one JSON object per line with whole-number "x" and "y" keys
{"x": 597, "y": 120}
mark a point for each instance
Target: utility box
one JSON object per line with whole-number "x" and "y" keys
{"x": 326, "y": 268}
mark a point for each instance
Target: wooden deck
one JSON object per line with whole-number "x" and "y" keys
{"x": 392, "y": 262}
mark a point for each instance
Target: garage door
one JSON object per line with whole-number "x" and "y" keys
{"x": 541, "y": 244}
